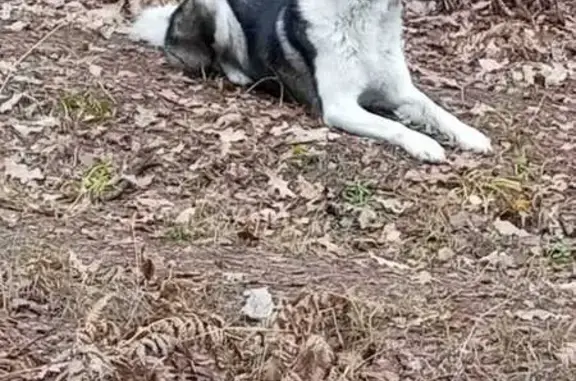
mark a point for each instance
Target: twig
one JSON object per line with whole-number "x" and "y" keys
{"x": 504, "y": 8}
{"x": 28, "y": 52}
{"x": 274, "y": 78}
{"x": 13, "y": 206}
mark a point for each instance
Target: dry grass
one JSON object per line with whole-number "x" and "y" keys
{"x": 134, "y": 215}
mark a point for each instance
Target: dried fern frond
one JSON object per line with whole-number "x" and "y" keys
{"x": 315, "y": 359}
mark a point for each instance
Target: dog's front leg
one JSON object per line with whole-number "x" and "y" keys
{"x": 417, "y": 107}
{"x": 348, "y": 115}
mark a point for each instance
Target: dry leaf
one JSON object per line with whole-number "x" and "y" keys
{"x": 480, "y": 109}
{"x": 568, "y": 287}
{"x": 474, "y": 200}
{"x": 154, "y": 202}
{"x": 17, "y": 26}
{"x": 327, "y": 243}
{"x": 533, "y": 314}
{"x": 144, "y": 117}
{"x": 489, "y": 65}
{"x": 497, "y": 258}
{"x": 10, "y": 103}
{"x": 5, "y": 11}
{"x": 147, "y": 268}
{"x": 393, "y": 205}
{"x": 139, "y": 181}
{"x": 259, "y": 304}
{"x": 309, "y": 135}
{"x": 445, "y": 254}
{"x": 553, "y": 74}
{"x": 507, "y": 228}
{"x": 390, "y": 233}
{"x": 185, "y": 216}
{"x": 24, "y": 131}
{"x": 21, "y": 171}
{"x": 229, "y": 135}
{"x": 279, "y": 185}
{"x": 95, "y": 70}
{"x": 424, "y": 277}
{"x": 308, "y": 190}
{"x": 567, "y": 354}
{"x": 388, "y": 263}
{"x": 366, "y": 218}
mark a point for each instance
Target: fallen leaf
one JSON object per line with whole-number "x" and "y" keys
{"x": 144, "y": 117}
{"x": 24, "y": 130}
{"x": 310, "y": 135}
{"x": 507, "y": 228}
{"x": 568, "y": 287}
{"x": 308, "y": 190}
{"x": 5, "y": 12}
{"x": 489, "y": 65}
{"x": 17, "y": 26}
{"x": 147, "y": 268}
{"x": 497, "y": 258}
{"x": 247, "y": 235}
{"x": 154, "y": 202}
{"x": 474, "y": 200}
{"x": 21, "y": 171}
{"x": 424, "y": 277}
{"x": 554, "y": 74}
{"x": 140, "y": 181}
{"x": 185, "y": 216}
{"x": 95, "y": 70}
{"x": 229, "y": 119}
{"x": 533, "y": 314}
{"x": 390, "y": 233}
{"x": 229, "y": 135}
{"x": 480, "y": 109}
{"x": 394, "y": 205}
{"x": 259, "y": 304}
{"x": 327, "y": 243}
{"x": 279, "y": 185}
{"x": 445, "y": 254}
{"x": 10, "y": 103}
{"x": 567, "y": 354}
{"x": 366, "y": 218}
{"x": 390, "y": 264}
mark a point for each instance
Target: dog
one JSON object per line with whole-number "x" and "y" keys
{"x": 342, "y": 58}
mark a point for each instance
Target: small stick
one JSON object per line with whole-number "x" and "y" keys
{"x": 28, "y": 52}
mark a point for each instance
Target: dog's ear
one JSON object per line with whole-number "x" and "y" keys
{"x": 190, "y": 36}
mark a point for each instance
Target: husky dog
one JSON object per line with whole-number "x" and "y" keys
{"x": 342, "y": 58}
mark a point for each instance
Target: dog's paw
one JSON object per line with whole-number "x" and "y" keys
{"x": 236, "y": 76}
{"x": 471, "y": 139}
{"x": 424, "y": 148}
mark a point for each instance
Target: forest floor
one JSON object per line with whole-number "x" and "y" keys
{"x": 138, "y": 206}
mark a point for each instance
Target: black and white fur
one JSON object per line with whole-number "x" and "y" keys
{"x": 341, "y": 57}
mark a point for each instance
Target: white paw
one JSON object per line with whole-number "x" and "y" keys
{"x": 423, "y": 147}
{"x": 237, "y": 77}
{"x": 471, "y": 139}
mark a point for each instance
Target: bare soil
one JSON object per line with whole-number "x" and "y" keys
{"x": 138, "y": 205}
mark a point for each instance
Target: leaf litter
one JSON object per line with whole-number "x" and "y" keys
{"x": 381, "y": 268}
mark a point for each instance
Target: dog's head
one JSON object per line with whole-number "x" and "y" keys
{"x": 190, "y": 36}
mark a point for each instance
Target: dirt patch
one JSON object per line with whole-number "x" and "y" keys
{"x": 137, "y": 206}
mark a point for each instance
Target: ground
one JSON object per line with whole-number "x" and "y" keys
{"x": 137, "y": 206}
